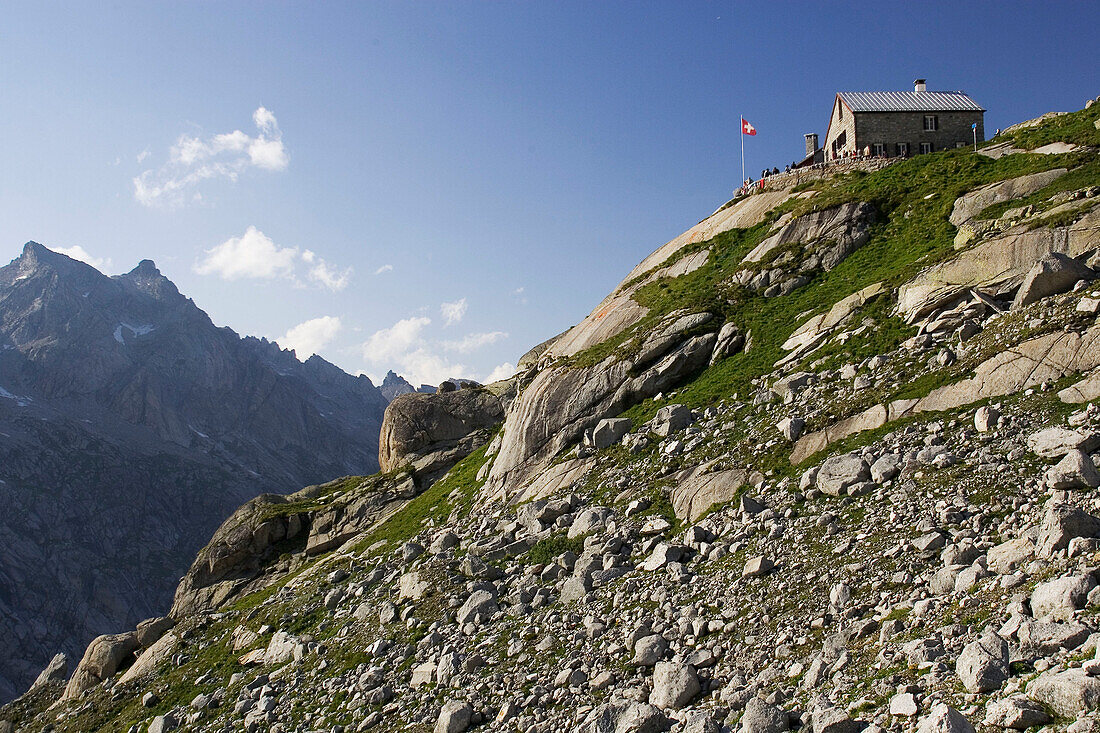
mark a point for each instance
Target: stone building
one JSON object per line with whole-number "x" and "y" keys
{"x": 899, "y": 123}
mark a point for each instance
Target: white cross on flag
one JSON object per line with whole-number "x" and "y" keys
{"x": 747, "y": 128}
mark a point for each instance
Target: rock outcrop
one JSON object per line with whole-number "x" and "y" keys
{"x": 561, "y": 403}
{"x": 430, "y": 433}
{"x": 969, "y": 205}
{"x": 996, "y": 265}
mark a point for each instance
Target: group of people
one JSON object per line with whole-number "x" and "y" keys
{"x": 749, "y": 185}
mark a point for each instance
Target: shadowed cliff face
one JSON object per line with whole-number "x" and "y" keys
{"x": 130, "y": 427}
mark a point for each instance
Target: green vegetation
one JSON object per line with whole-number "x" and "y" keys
{"x": 319, "y": 498}
{"x": 913, "y": 197}
{"x": 1077, "y": 127}
{"x": 1081, "y": 177}
{"x": 545, "y": 550}
{"x": 455, "y": 491}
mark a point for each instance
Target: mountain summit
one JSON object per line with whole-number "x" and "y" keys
{"x": 132, "y": 426}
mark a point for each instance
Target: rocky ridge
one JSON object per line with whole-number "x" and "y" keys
{"x": 714, "y": 505}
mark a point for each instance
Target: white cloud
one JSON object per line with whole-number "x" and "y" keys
{"x": 404, "y": 348}
{"x": 265, "y": 121}
{"x": 519, "y": 296}
{"x": 194, "y": 159}
{"x": 474, "y": 341}
{"x": 391, "y": 344}
{"x": 453, "y": 312}
{"x": 311, "y": 336}
{"x": 252, "y": 255}
{"x": 423, "y": 367}
{"x": 255, "y": 256}
{"x": 323, "y": 273}
{"x": 501, "y": 371}
{"x": 79, "y": 253}
{"x": 383, "y": 268}
{"x": 143, "y": 155}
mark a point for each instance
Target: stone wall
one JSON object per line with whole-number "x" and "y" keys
{"x": 891, "y": 128}
{"x": 790, "y": 179}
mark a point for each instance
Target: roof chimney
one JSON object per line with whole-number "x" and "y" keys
{"x": 918, "y": 85}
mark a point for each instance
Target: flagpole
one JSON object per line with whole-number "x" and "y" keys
{"x": 741, "y": 125}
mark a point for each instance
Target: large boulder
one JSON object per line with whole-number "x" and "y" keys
{"x": 478, "y": 607}
{"x": 827, "y": 236}
{"x": 1076, "y": 470}
{"x": 434, "y": 431}
{"x": 1067, "y": 693}
{"x": 828, "y": 719}
{"x": 101, "y": 660}
{"x": 1018, "y": 713}
{"x": 454, "y": 717}
{"x": 944, "y": 719}
{"x": 608, "y": 432}
{"x": 1057, "y": 600}
{"x": 671, "y": 419}
{"x": 1058, "y": 441}
{"x": 1053, "y": 274}
{"x": 1063, "y": 522}
{"x": 983, "y": 664}
{"x": 763, "y": 717}
{"x": 151, "y": 629}
{"x": 1009, "y": 555}
{"x": 628, "y": 717}
{"x": 674, "y": 685}
{"x": 697, "y": 489}
{"x": 840, "y": 472}
{"x": 562, "y": 402}
{"x": 151, "y": 658}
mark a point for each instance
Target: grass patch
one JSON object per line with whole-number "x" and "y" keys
{"x": 1077, "y": 127}
{"x": 914, "y": 199}
{"x": 455, "y": 491}
{"x": 1082, "y": 176}
{"x": 544, "y": 551}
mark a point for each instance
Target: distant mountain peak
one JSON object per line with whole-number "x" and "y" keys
{"x": 394, "y": 385}
{"x": 35, "y": 255}
{"x": 149, "y": 280}
{"x": 146, "y": 268}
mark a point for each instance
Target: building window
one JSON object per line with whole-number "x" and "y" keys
{"x": 926, "y": 148}
{"x": 901, "y": 149}
{"x": 878, "y": 150}
{"x": 960, "y": 145}
{"x": 931, "y": 123}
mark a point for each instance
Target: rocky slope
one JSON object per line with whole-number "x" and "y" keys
{"x": 131, "y": 427}
{"x": 826, "y": 461}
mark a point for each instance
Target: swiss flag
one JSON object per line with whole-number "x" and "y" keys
{"x": 747, "y": 128}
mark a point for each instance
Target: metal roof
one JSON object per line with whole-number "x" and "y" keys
{"x": 909, "y": 102}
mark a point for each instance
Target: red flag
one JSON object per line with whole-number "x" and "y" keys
{"x": 747, "y": 128}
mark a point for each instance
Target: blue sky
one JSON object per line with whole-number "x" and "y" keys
{"x": 436, "y": 187}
